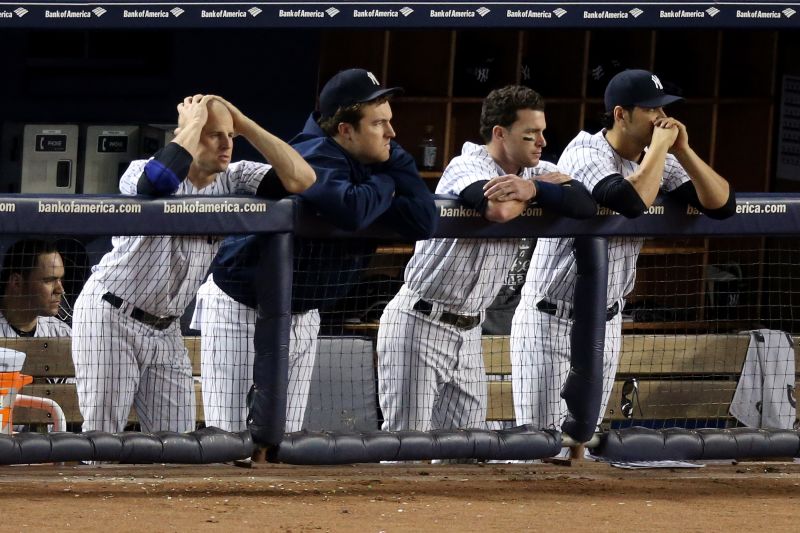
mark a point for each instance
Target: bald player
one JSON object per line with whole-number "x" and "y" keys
{"x": 639, "y": 151}
{"x": 127, "y": 345}
{"x": 430, "y": 368}
{"x": 32, "y": 290}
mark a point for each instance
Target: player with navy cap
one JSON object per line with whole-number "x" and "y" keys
{"x": 639, "y": 152}
{"x": 363, "y": 176}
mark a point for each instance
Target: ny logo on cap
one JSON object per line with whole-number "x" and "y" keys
{"x": 657, "y": 82}
{"x": 371, "y": 76}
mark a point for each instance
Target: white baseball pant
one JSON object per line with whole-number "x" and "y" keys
{"x": 540, "y": 362}
{"x": 227, "y": 353}
{"x": 430, "y": 375}
{"x": 121, "y": 362}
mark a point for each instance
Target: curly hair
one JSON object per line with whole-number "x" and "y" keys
{"x": 501, "y": 105}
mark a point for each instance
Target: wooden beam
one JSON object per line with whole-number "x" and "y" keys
{"x": 647, "y": 355}
{"x": 501, "y": 403}
{"x": 47, "y": 357}
{"x": 497, "y": 354}
{"x": 66, "y": 396}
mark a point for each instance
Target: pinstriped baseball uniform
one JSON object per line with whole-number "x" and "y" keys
{"x": 46, "y": 326}
{"x": 120, "y": 361}
{"x": 540, "y": 344}
{"x": 431, "y": 374}
{"x": 227, "y": 355}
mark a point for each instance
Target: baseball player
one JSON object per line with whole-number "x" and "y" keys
{"x": 430, "y": 368}
{"x": 639, "y": 152}
{"x": 127, "y": 345}
{"x": 363, "y": 175}
{"x": 31, "y": 289}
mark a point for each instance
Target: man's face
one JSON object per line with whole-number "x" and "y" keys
{"x": 216, "y": 140}
{"x": 369, "y": 143}
{"x": 638, "y": 123}
{"x": 42, "y": 287}
{"x": 524, "y": 139}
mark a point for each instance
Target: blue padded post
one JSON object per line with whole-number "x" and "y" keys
{"x": 583, "y": 387}
{"x": 267, "y": 397}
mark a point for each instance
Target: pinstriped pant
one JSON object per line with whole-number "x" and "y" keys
{"x": 227, "y": 354}
{"x": 540, "y": 362}
{"x": 121, "y": 362}
{"x": 430, "y": 375}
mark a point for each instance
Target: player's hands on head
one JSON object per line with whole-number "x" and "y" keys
{"x": 193, "y": 110}
{"x": 509, "y": 187}
{"x": 239, "y": 118}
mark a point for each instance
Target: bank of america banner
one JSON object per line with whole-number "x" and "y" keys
{"x": 281, "y": 14}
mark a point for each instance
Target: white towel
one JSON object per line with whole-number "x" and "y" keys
{"x": 764, "y": 396}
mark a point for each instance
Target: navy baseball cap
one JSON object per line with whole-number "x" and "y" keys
{"x": 638, "y": 88}
{"x": 352, "y": 86}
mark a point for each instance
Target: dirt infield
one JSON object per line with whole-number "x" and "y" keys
{"x": 497, "y": 497}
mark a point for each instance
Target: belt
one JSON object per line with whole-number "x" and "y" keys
{"x": 155, "y": 322}
{"x": 446, "y": 317}
{"x": 552, "y": 309}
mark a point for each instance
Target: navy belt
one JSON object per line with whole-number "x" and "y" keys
{"x": 155, "y": 322}
{"x": 552, "y": 309}
{"x": 459, "y": 321}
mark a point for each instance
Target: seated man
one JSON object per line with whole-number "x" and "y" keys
{"x": 31, "y": 291}
{"x": 363, "y": 175}
{"x": 430, "y": 366}
{"x": 127, "y": 345}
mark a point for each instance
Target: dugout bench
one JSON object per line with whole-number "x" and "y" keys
{"x": 51, "y": 359}
{"x": 680, "y": 378}
{"x": 343, "y": 364}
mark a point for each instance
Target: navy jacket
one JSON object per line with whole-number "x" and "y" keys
{"x": 349, "y": 195}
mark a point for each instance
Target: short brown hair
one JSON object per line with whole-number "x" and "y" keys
{"x": 501, "y": 105}
{"x": 351, "y": 114}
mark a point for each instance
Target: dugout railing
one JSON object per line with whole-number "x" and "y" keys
{"x": 759, "y": 216}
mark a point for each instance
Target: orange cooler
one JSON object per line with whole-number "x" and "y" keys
{"x": 11, "y": 380}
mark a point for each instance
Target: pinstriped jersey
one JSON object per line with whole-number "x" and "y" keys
{"x": 46, "y": 326}
{"x": 464, "y": 275}
{"x": 161, "y": 273}
{"x": 589, "y": 159}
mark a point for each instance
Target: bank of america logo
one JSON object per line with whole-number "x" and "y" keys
{"x": 406, "y": 11}
{"x": 20, "y": 12}
{"x": 635, "y": 12}
{"x": 332, "y": 11}
{"x": 176, "y": 11}
{"x": 559, "y": 12}
{"x": 712, "y": 11}
{"x": 788, "y": 12}
{"x": 99, "y": 11}
{"x": 254, "y": 11}
{"x": 482, "y": 11}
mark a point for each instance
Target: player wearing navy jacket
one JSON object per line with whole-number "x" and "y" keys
{"x": 363, "y": 176}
